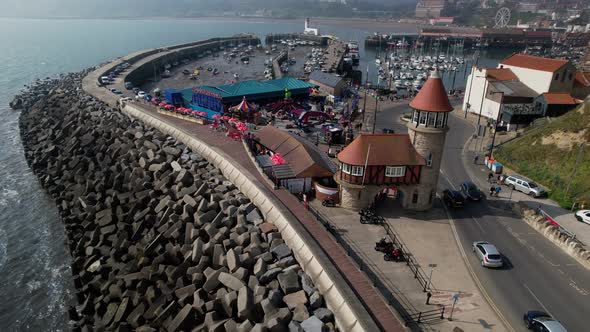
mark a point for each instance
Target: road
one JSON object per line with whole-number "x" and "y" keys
{"x": 538, "y": 275}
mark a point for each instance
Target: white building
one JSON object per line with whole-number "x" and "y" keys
{"x": 507, "y": 93}
{"x": 308, "y": 30}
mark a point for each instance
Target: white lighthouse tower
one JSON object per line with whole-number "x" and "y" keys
{"x": 309, "y": 30}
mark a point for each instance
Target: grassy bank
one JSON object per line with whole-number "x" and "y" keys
{"x": 549, "y": 154}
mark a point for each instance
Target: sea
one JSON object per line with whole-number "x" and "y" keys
{"x": 36, "y": 287}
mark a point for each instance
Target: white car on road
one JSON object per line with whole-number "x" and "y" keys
{"x": 488, "y": 254}
{"x": 583, "y": 216}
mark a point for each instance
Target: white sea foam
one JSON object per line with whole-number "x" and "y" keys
{"x": 8, "y": 196}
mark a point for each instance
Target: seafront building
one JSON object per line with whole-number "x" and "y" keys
{"x": 407, "y": 165}
{"x": 430, "y": 8}
{"x": 523, "y": 88}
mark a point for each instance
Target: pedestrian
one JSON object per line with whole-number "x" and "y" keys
{"x": 490, "y": 176}
{"x": 498, "y": 189}
{"x": 492, "y": 191}
{"x": 475, "y": 159}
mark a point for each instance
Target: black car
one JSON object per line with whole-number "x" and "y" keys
{"x": 471, "y": 191}
{"x": 453, "y": 198}
{"x": 542, "y": 322}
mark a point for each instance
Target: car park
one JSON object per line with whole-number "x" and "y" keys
{"x": 524, "y": 185}
{"x": 583, "y": 216}
{"x": 540, "y": 321}
{"x": 488, "y": 254}
{"x": 470, "y": 191}
{"x": 453, "y": 198}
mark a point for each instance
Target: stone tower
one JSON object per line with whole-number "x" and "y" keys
{"x": 428, "y": 129}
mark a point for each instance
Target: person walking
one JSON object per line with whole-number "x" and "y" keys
{"x": 498, "y": 189}
{"x": 475, "y": 159}
{"x": 490, "y": 176}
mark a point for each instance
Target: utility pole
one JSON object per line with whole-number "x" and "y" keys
{"x": 580, "y": 149}
{"x": 375, "y": 112}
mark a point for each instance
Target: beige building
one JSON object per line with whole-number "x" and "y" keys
{"x": 506, "y": 94}
{"x": 430, "y": 8}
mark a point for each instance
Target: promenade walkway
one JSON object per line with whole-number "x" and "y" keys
{"x": 371, "y": 299}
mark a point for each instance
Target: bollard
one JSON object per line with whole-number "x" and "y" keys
{"x": 419, "y": 317}
{"x": 442, "y": 313}
{"x": 428, "y": 295}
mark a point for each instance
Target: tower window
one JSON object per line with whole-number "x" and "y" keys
{"x": 346, "y": 168}
{"x": 415, "y": 116}
{"x": 395, "y": 171}
{"x": 429, "y": 160}
{"x": 423, "y": 117}
{"x": 431, "y": 118}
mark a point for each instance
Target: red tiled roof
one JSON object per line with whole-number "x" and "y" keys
{"x": 560, "y": 99}
{"x": 432, "y": 97}
{"x": 534, "y": 62}
{"x": 386, "y": 149}
{"x": 500, "y": 74}
{"x": 582, "y": 78}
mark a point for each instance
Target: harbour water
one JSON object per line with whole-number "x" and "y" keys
{"x": 35, "y": 279}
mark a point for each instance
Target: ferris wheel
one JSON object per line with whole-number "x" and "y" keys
{"x": 502, "y": 18}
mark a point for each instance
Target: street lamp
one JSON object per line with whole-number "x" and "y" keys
{"x": 497, "y": 119}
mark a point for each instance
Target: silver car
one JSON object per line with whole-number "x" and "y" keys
{"x": 525, "y": 185}
{"x": 488, "y": 254}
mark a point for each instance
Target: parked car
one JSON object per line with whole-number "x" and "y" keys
{"x": 453, "y": 198}
{"x": 128, "y": 85}
{"x": 542, "y": 322}
{"x": 525, "y": 185}
{"x": 583, "y": 216}
{"x": 488, "y": 254}
{"x": 135, "y": 90}
{"x": 141, "y": 94}
{"x": 115, "y": 91}
{"x": 470, "y": 191}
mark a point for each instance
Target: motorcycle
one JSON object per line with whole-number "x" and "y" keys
{"x": 329, "y": 203}
{"x": 384, "y": 245}
{"x": 376, "y": 220}
{"x": 395, "y": 255}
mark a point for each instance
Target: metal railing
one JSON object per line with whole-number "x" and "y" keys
{"x": 561, "y": 228}
{"x": 411, "y": 317}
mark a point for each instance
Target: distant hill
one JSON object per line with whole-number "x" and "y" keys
{"x": 549, "y": 152}
{"x": 192, "y": 8}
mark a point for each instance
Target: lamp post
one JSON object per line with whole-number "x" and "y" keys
{"x": 497, "y": 119}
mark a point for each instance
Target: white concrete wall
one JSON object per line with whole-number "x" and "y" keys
{"x": 475, "y": 93}
{"x": 336, "y": 292}
{"x": 537, "y": 80}
{"x": 490, "y": 109}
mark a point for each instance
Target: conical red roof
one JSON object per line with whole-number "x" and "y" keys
{"x": 432, "y": 97}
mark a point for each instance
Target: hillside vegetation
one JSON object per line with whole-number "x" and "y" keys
{"x": 548, "y": 153}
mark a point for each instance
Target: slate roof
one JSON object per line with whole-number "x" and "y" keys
{"x": 386, "y": 150}
{"x": 327, "y": 79}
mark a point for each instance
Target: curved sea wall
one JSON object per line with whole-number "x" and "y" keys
{"x": 350, "y": 313}
{"x": 160, "y": 238}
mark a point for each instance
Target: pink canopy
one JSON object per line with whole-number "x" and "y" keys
{"x": 216, "y": 116}
{"x": 277, "y": 159}
{"x": 162, "y": 104}
{"x": 233, "y": 120}
{"x": 241, "y": 126}
{"x": 225, "y": 117}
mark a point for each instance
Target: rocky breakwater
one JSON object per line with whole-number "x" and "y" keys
{"x": 160, "y": 239}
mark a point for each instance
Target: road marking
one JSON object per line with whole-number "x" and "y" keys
{"x": 478, "y": 283}
{"x": 538, "y": 301}
{"x": 578, "y": 288}
{"x": 478, "y": 224}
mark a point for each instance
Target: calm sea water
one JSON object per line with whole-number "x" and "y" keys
{"x": 35, "y": 279}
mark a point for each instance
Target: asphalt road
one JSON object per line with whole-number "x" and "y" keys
{"x": 538, "y": 275}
